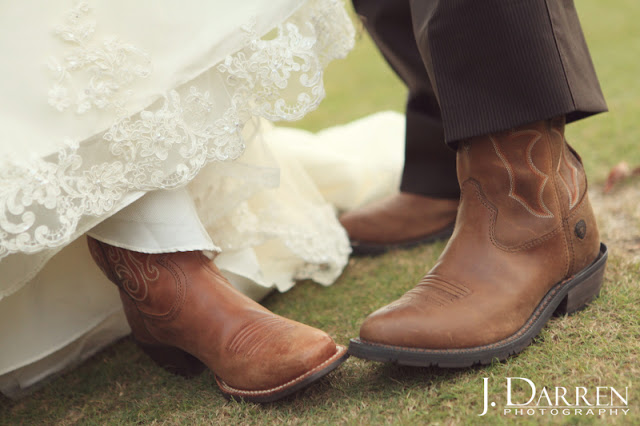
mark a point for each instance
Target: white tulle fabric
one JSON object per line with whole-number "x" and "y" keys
{"x": 278, "y": 235}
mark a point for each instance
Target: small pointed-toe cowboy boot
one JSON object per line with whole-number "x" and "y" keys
{"x": 400, "y": 221}
{"x": 183, "y": 313}
{"x": 525, "y": 245}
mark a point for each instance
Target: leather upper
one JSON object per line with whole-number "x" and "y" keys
{"x": 182, "y": 300}
{"x": 524, "y": 224}
{"x": 399, "y": 218}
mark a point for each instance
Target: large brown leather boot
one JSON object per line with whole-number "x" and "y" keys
{"x": 400, "y": 221}
{"x": 525, "y": 245}
{"x": 183, "y": 313}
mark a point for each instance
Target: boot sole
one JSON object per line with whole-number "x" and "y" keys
{"x": 279, "y": 392}
{"x": 566, "y": 297}
{"x": 360, "y": 248}
{"x": 184, "y": 364}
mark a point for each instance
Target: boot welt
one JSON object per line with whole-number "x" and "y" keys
{"x": 182, "y": 363}
{"x": 566, "y": 297}
{"x": 363, "y": 248}
{"x": 286, "y": 389}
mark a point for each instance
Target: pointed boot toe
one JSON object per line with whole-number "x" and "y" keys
{"x": 301, "y": 356}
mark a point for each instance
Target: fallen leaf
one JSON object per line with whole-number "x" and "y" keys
{"x": 620, "y": 172}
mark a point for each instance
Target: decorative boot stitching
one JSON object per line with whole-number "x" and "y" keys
{"x": 134, "y": 274}
{"x": 180, "y": 281}
{"x": 573, "y": 187}
{"x": 541, "y": 211}
{"x": 435, "y": 290}
{"x": 253, "y": 337}
{"x": 563, "y": 209}
{"x": 494, "y": 214}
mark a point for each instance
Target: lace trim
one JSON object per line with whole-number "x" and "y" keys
{"x": 315, "y": 237}
{"x": 166, "y": 145}
{"x": 275, "y": 211}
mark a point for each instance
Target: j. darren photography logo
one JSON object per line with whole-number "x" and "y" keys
{"x": 525, "y": 399}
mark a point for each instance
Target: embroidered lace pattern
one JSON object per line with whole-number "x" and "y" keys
{"x": 315, "y": 237}
{"x": 251, "y": 215}
{"x": 277, "y": 77}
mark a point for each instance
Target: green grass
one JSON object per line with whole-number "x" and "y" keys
{"x": 596, "y": 347}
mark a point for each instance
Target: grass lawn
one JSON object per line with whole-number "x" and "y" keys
{"x": 596, "y": 347}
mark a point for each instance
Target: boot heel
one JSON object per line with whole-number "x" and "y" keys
{"x": 172, "y": 359}
{"x": 582, "y": 294}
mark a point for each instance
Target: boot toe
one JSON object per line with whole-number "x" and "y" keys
{"x": 404, "y": 323}
{"x": 356, "y": 226}
{"x": 281, "y": 357}
{"x": 321, "y": 348}
{"x": 387, "y": 325}
{"x": 303, "y": 354}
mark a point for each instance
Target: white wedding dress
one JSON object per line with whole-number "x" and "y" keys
{"x": 130, "y": 119}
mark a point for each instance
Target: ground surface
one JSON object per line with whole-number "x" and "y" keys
{"x": 597, "y": 347}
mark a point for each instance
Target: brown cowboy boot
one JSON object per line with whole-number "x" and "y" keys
{"x": 400, "y": 221}
{"x": 183, "y": 313}
{"x": 525, "y": 245}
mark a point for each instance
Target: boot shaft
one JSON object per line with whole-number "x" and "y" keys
{"x": 537, "y": 184}
{"x": 153, "y": 282}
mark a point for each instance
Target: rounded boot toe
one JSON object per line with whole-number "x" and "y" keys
{"x": 382, "y": 327}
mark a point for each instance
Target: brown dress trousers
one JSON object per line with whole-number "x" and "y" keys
{"x": 479, "y": 66}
